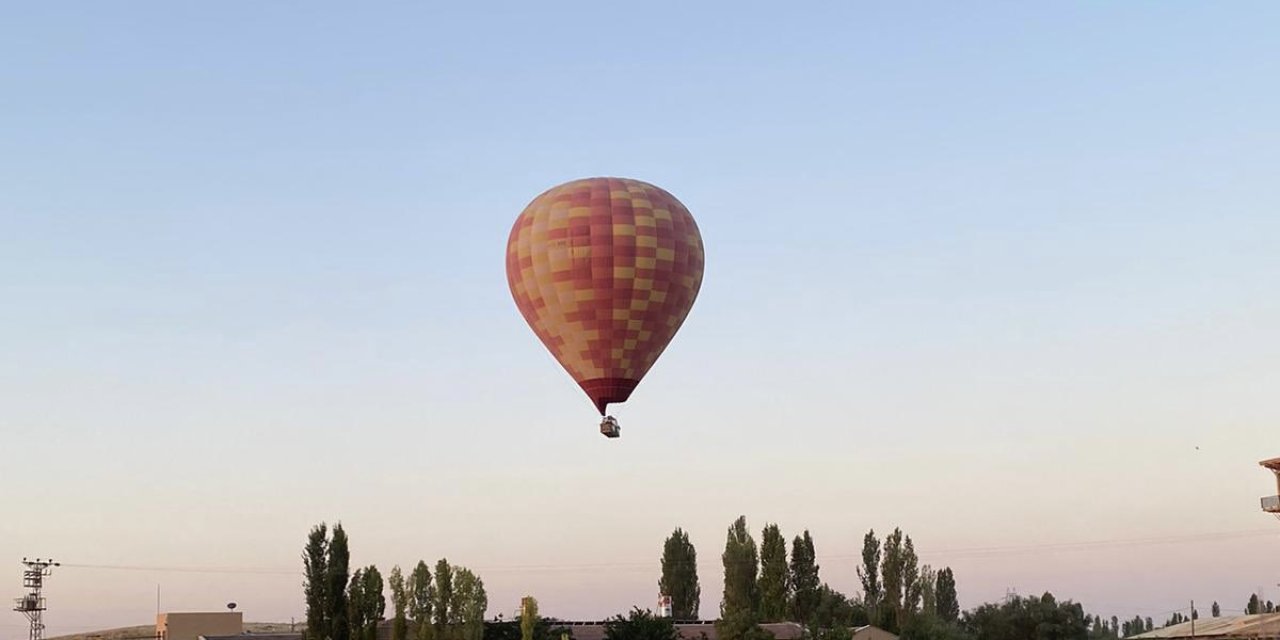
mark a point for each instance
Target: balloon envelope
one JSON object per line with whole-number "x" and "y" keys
{"x": 605, "y": 271}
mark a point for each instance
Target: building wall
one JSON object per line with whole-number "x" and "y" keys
{"x": 190, "y": 626}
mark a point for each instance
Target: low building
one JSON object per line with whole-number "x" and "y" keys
{"x": 1261, "y": 626}
{"x": 870, "y": 632}
{"x": 190, "y": 626}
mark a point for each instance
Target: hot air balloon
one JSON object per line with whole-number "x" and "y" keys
{"x": 605, "y": 271}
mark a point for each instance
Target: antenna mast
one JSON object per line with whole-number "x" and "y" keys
{"x": 32, "y": 604}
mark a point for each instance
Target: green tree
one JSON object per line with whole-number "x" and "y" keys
{"x": 680, "y": 576}
{"x": 445, "y": 617}
{"x": 422, "y": 593}
{"x": 356, "y": 607}
{"x": 1215, "y": 611}
{"x": 1254, "y": 606}
{"x": 928, "y": 591}
{"x": 910, "y": 582}
{"x": 836, "y": 610}
{"x": 1030, "y": 618}
{"x": 948, "y": 602}
{"x": 339, "y": 568}
{"x": 400, "y": 603}
{"x": 366, "y": 603}
{"x": 740, "y": 608}
{"x": 469, "y": 604}
{"x": 640, "y": 625}
{"x": 1270, "y": 608}
{"x": 930, "y": 627}
{"x": 315, "y": 562}
{"x": 528, "y": 617}
{"x": 892, "y": 567}
{"x": 804, "y": 579}
{"x": 375, "y": 602}
{"x": 774, "y": 583}
{"x": 741, "y": 564}
{"x": 869, "y": 574}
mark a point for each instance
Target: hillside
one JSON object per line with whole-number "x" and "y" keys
{"x": 148, "y": 631}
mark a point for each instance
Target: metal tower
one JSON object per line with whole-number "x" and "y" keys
{"x": 32, "y": 604}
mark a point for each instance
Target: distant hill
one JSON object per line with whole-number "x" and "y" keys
{"x": 148, "y": 631}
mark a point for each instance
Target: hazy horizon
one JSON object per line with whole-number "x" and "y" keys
{"x": 1002, "y": 275}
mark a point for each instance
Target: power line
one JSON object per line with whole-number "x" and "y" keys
{"x": 954, "y": 553}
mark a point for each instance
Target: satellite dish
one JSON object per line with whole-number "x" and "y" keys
{"x": 231, "y": 606}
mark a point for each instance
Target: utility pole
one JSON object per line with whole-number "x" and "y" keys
{"x": 32, "y": 604}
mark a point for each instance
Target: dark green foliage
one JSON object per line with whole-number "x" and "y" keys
{"x": 315, "y": 562}
{"x": 1215, "y": 610}
{"x": 804, "y": 579}
{"x": 928, "y": 591}
{"x": 365, "y": 603}
{"x": 1028, "y": 618}
{"x": 400, "y": 603}
{"x": 774, "y": 583}
{"x": 892, "y": 568}
{"x": 930, "y": 627}
{"x": 422, "y": 593}
{"x": 740, "y": 625}
{"x": 375, "y": 602}
{"x": 948, "y": 605}
{"x": 543, "y": 629}
{"x": 469, "y": 604}
{"x": 444, "y": 616}
{"x": 910, "y": 582}
{"x": 680, "y": 576}
{"x": 741, "y": 564}
{"x": 338, "y": 572}
{"x": 1254, "y": 606}
{"x": 1270, "y": 608}
{"x": 640, "y": 625}
{"x": 869, "y": 573}
{"x": 834, "y": 610}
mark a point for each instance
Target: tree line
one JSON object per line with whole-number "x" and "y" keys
{"x": 342, "y": 605}
{"x": 762, "y": 584}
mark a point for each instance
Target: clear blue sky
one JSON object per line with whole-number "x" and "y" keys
{"x": 989, "y": 272}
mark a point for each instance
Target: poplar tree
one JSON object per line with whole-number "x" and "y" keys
{"x": 804, "y": 579}
{"x": 400, "y": 603}
{"x": 869, "y": 574}
{"x": 774, "y": 583}
{"x": 948, "y": 605}
{"x": 422, "y": 602}
{"x": 444, "y": 615}
{"x": 741, "y": 564}
{"x": 680, "y": 576}
{"x": 315, "y": 585}
{"x": 338, "y": 573}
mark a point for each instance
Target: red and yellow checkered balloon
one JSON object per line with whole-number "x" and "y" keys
{"x": 605, "y": 271}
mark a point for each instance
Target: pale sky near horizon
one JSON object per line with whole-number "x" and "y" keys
{"x": 1001, "y": 274}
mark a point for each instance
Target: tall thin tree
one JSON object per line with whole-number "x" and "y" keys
{"x": 315, "y": 585}
{"x": 891, "y": 573}
{"x": 422, "y": 593}
{"x": 774, "y": 583}
{"x": 869, "y": 574}
{"x": 400, "y": 604}
{"x": 445, "y": 617}
{"x": 339, "y": 573}
{"x": 741, "y": 563}
{"x": 680, "y": 576}
{"x": 948, "y": 604}
{"x": 805, "y": 583}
